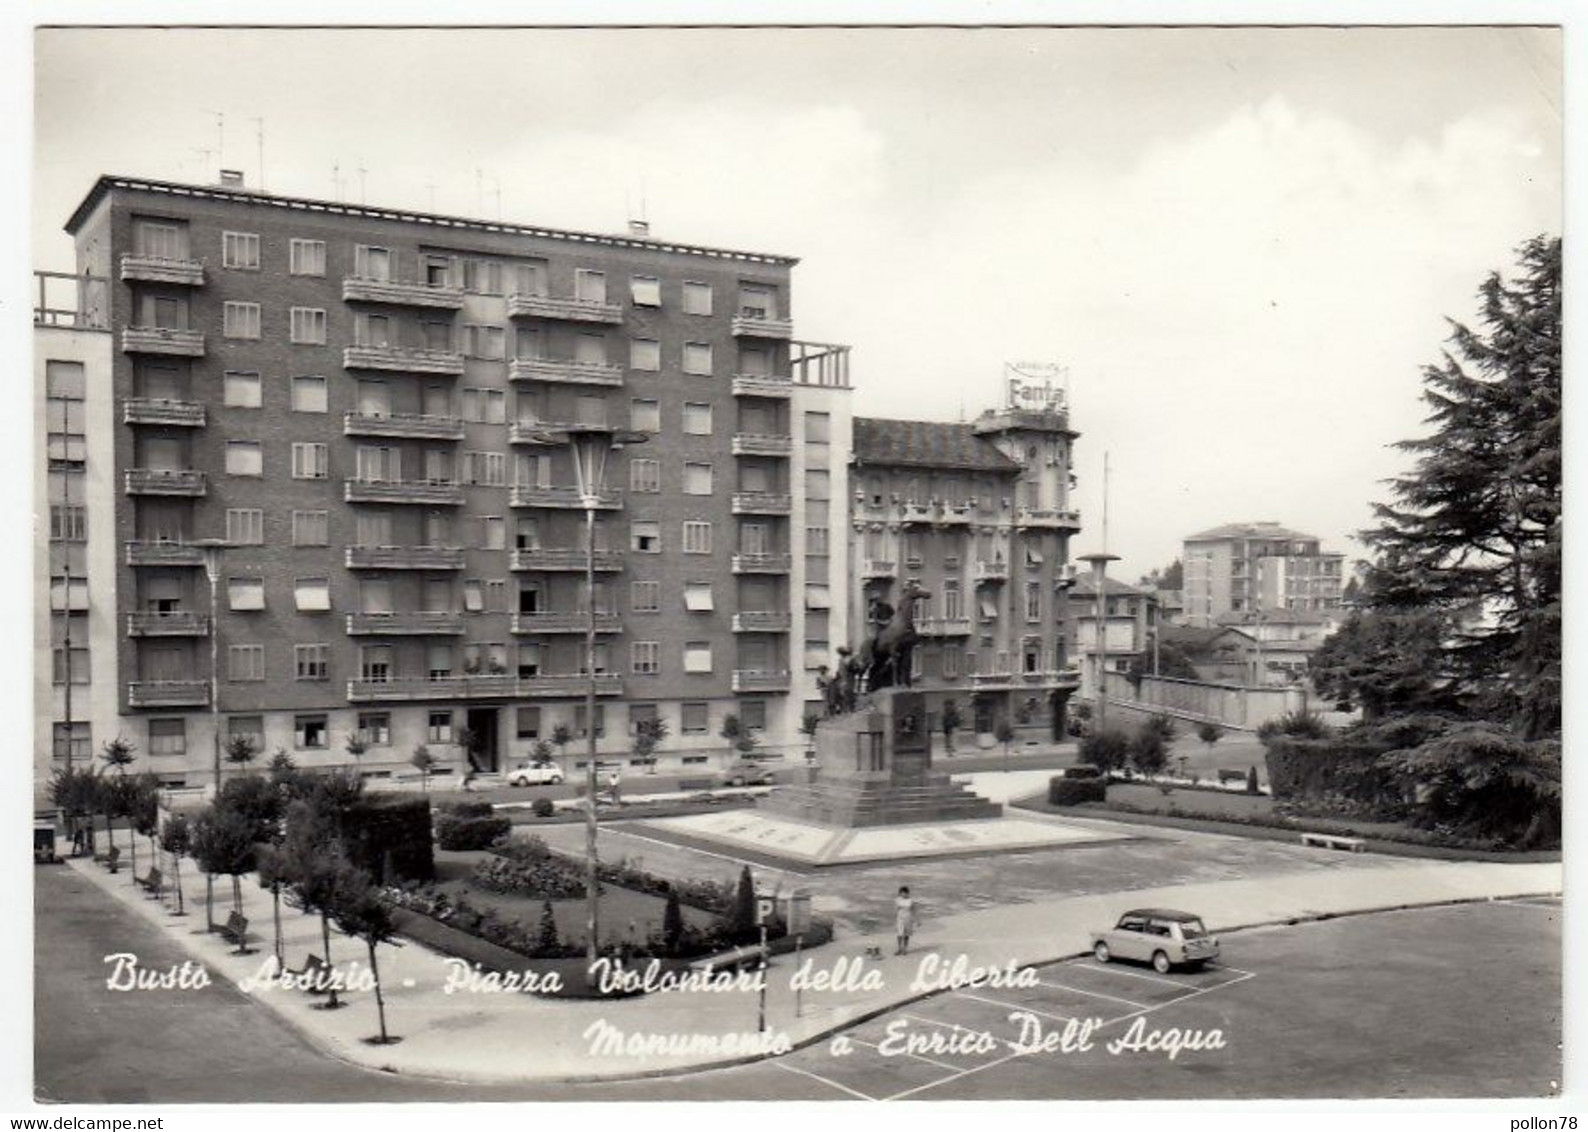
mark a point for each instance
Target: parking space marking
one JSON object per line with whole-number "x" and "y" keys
{"x": 818, "y": 1077}
{"x": 917, "y": 1056}
{"x": 953, "y": 1077}
{"x": 1091, "y": 993}
{"x": 1182, "y": 998}
{"x": 1112, "y": 969}
{"x": 1013, "y": 1006}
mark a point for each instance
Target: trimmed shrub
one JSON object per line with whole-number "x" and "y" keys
{"x": 1339, "y": 775}
{"x": 1297, "y": 725}
{"x": 462, "y": 833}
{"x": 1082, "y": 772}
{"x": 542, "y": 808}
{"x": 1066, "y": 791}
{"x": 1147, "y": 753}
{"x": 1106, "y": 750}
{"x": 388, "y": 836}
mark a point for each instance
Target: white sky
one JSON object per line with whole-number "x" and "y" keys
{"x": 1241, "y": 242}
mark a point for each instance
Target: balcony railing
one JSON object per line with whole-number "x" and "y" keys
{"x": 402, "y": 294}
{"x": 165, "y": 481}
{"x": 1048, "y": 519}
{"x": 759, "y": 680}
{"x": 565, "y": 622}
{"x": 535, "y": 432}
{"x": 567, "y": 310}
{"x": 176, "y": 624}
{"x": 762, "y": 621}
{"x": 761, "y": 503}
{"x": 156, "y": 411}
{"x": 879, "y": 568}
{"x": 759, "y": 326}
{"x": 762, "y": 563}
{"x": 938, "y": 514}
{"x": 405, "y": 624}
{"x": 565, "y": 558}
{"x": 992, "y": 571}
{"x": 495, "y": 686}
{"x": 162, "y": 340}
{"x": 561, "y": 497}
{"x": 750, "y": 444}
{"x": 404, "y": 558}
{"x": 168, "y": 693}
{"x": 570, "y": 684}
{"x": 412, "y": 426}
{"x": 943, "y": 626}
{"x": 154, "y": 269}
{"x": 420, "y": 492}
{"x": 762, "y": 385}
{"x": 403, "y": 359}
{"x": 566, "y": 371}
{"x": 146, "y": 553}
{"x": 991, "y": 679}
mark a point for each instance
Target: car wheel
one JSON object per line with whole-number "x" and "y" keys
{"x": 1100, "y": 952}
{"x": 1160, "y": 963}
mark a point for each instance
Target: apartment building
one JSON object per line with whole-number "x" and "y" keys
{"x": 979, "y": 515}
{"x": 1130, "y": 624}
{"x": 331, "y": 513}
{"x": 1244, "y": 567}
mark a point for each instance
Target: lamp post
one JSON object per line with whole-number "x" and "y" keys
{"x": 1099, "y": 604}
{"x": 212, "y": 548}
{"x": 590, "y": 446}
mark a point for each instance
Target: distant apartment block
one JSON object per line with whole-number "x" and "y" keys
{"x": 1247, "y": 567}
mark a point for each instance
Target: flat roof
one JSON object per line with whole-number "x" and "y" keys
{"x": 242, "y": 195}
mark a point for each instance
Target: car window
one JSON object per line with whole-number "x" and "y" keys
{"x": 1192, "y": 929}
{"x": 1158, "y": 927}
{"x": 1130, "y": 924}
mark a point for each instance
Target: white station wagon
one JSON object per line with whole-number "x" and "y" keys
{"x": 1161, "y": 936}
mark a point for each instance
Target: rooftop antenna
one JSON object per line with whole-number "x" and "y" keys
{"x": 336, "y": 181}
{"x": 220, "y": 136}
{"x": 259, "y": 136}
{"x": 363, "y": 197}
{"x": 496, "y": 190}
{"x": 1105, "y": 501}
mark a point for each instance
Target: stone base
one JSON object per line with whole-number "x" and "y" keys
{"x": 856, "y": 803}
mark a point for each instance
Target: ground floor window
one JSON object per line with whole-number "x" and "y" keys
{"x": 311, "y": 732}
{"x": 375, "y": 728}
{"x": 168, "y": 736}
{"x": 440, "y": 727}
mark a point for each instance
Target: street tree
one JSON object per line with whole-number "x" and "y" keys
{"x": 425, "y": 763}
{"x": 177, "y": 840}
{"x": 361, "y": 912}
{"x": 240, "y": 750}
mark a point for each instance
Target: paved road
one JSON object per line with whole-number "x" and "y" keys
{"x": 1452, "y": 1001}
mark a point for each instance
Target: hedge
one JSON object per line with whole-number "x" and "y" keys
{"x": 1066, "y": 791}
{"x": 465, "y": 833}
{"x": 1343, "y": 773}
{"x": 389, "y": 837}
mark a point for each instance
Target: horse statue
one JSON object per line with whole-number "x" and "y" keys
{"x": 884, "y": 660}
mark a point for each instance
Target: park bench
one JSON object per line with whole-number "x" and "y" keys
{"x": 314, "y": 971}
{"x": 731, "y": 960}
{"x": 151, "y": 882}
{"x": 1228, "y": 776}
{"x": 234, "y": 930}
{"x": 1333, "y": 841}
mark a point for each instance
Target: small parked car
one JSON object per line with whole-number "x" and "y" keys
{"x": 535, "y": 774}
{"x": 746, "y": 773}
{"x": 1161, "y": 936}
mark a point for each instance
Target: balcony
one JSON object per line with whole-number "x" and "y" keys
{"x": 762, "y": 385}
{"x": 534, "y": 432}
{"x": 565, "y": 371}
{"x": 162, "y": 340}
{"x": 570, "y": 684}
{"x": 762, "y": 563}
{"x": 565, "y": 310}
{"x": 401, "y": 294}
{"x": 402, "y": 359}
{"x": 168, "y": 693}
{"x": 937, "y": 513}
{"x": 749, "y": 444}
{"x": 943, "y": 626}
{"x": 177, "y": 624}
{"x": 166, "y": 481}
{"x": 568, "y": 622}
{"x": 567, "y": 558}
{"x": 156, "y": 411}
{"x": 871, "y": 568}
{"x": 759, "y": 326}
{"x": 567, "y": 498}
{"x": 405, "y": 624}
{"x": 423, "y": 493}
{"x": 762, "y": 621}
{"x": 758, "y": 680}
{"x": 1040, "y": 518}
{"x": 992, "y": 679}
{"x": 494, "y": 687}
{"x": 404, "y": 558}
{"x": 164, "y": 554}
{"x": 154, "y": 269}
{"x": 412, "y": 426}
{"x": 761, "y": 503}
{"x": 992, "y": 571}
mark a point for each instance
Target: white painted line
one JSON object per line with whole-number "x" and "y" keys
{"x": 1110, "y": 969}
{"x": 1091, "y": 993}
{"x": 1182, "y": 998}
{"x": 818, "y": 1077}
{"x": 1013, "y": 1006}
{"x": 953, "y": 1077}
{"x": 917, "y": 1056}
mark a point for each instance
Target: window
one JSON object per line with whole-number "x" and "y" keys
{"x": 818, "y": 428}
{"x": 816, "y": 541}
{"x": 590, "y": 349}
{"x": 818, "y": 485}
{"x": 371, "y": 330}
{"x": 313, "y": 595}
{"x": 645, "y": 416}
{"x": 697, "y": 597}
{"x": 306, "y": 257}
{"x": 310, "y": 732}
{"x": 530, "y": 278}
{"x": 308, "y": 326}
{"x": 240, "y": 250}
{"x": 755, "y": 301}
{"x": 437, "y": 336}
{"x": 496, "y": 595}
{"x": 695, "y": 718}
{"x": 311, "y": 528}
{"x": 245, "y": 593}
{"x": 645, "y": 354}
{"x": 645, "y": 536}
{"x": 311, "y": 661}
{"x": 439, "y": 727}
{"x": 168, "y": 736}
{"x": 249, "y": 727}
{"x": 697, "y": 479}
{"x": 528, "y": 661}
{"x": 488, "y": 342}
{"x": 697, "y": 537}
{"x": 241, "y": 390}
{"x": 240, "y": 320}
{"x": 68, "y": 523}
{"x": 308, "y": 395}
{"x": 529, "y": 343}
{"x": 485, "y": 406}
{"x": 526, "y": 723}
{"x": 817, "y": 596}
{"x": 953, "y": 600}
{"x": 488, "y": 469}
{"x": 493, "y": 531}
{"x": 951, "y": 657}
{"x": 645, "y": 475}
{"x": 244, "y": 458}
{"x": 78, "y": 661}
{"x": 697, "y": 419}
{"x": 1033, "y": 601}
{"x": 590, "y": 286}
{"x": 245, "y": 526}
{"x": 697, "y": 358}
{"x": 473, "y": 595}
{"x": 482, "y": 276}
{"x": 755, "y": 361}
{"x": 646, "y": 291}
{"x": 752, "y": 715}
{"x": 600, "y": 721}
{"x": 310, "y": 461}
{"x": 643, "y": 658}
{"x": 372, "y": 263}
{"x": 160, "y": 239}
{"x": 374, "y": 663}
{"x": 374, "y": 727}
{"x": 645, "y": 597}
{"x": 697, "y": 298}
{"x": 245, "y": 663}
{"x": 697, "y": 656}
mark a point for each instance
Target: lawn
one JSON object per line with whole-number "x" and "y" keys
{"x": 1195, "y": 803}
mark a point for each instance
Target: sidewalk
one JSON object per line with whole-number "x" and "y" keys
{"x": 502, "y": 1037}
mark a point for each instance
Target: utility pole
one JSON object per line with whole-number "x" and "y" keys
{"x": 259, "y": 136}
{"x": 1099, "y": 564}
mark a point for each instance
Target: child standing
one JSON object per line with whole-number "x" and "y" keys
{"x": 904, "y": 918}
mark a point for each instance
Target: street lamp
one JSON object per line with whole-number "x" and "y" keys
{"x": 1099, "y": 585}
{"x": 212, "y": 548}
{"x": 590, "y": 446}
